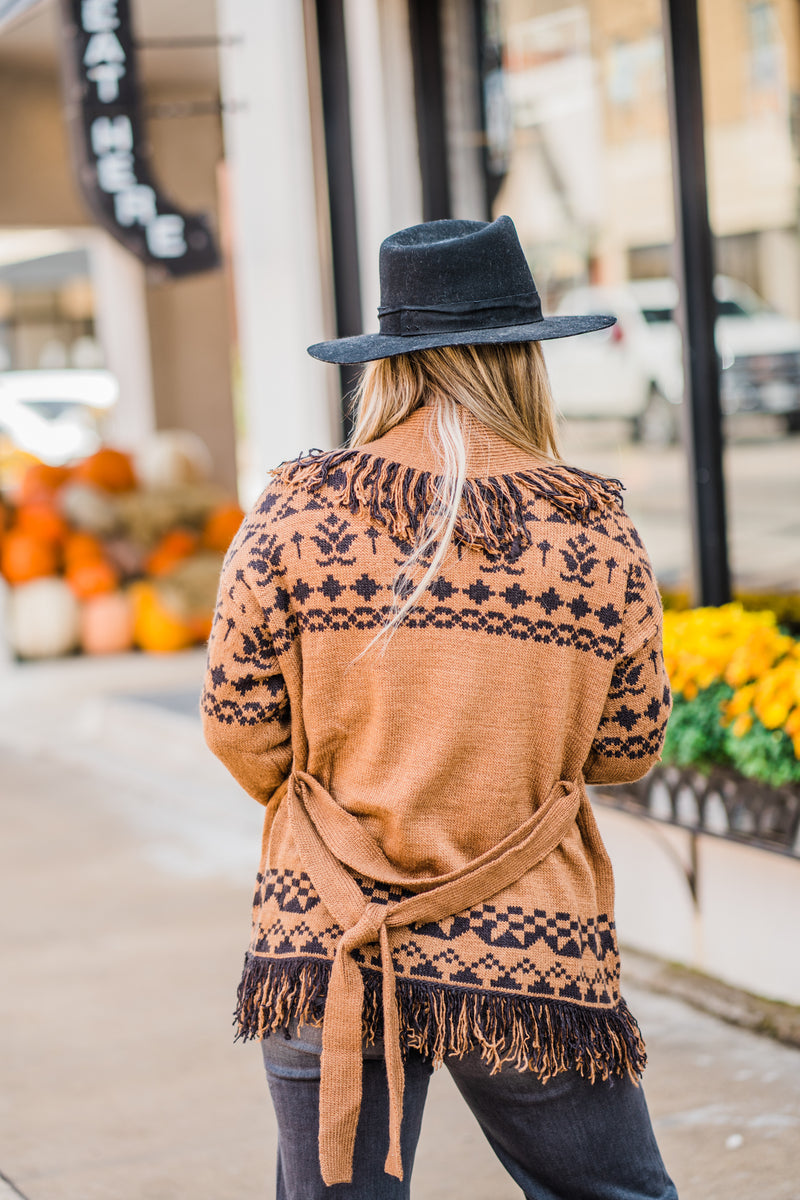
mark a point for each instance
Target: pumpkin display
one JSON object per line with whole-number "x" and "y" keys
{"x": 201, "y": 626}
{"x": 25, "y": 557}
{"x": 42, "y": 619}
{"x": 81, "y": 547}
{"x": 92, "y": 577}
{"x": 125, "y": 555}
{"x": 173, "y": 548}
{"x": 173, "y": 458}
{"x": 40, "y": 482}
{"x": 190, "y": 590}
{"x": 90, "y": 509}
{"x": 146, "y": 516}
{"x": 222, "y": 526}
{"x": 156, "y": 627}
{"x": 107, "y": 469}
{"x": 106, "y": 624}
{"x": 41, "y": 520}
{"x": 108, "y": 555}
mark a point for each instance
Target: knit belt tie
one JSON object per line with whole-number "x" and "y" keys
{"x": 330, "y": 840}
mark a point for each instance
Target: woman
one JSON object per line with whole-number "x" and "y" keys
{"x": 425, "y": 645}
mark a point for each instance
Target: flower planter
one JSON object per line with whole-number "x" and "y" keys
{"x": 720, "y": 802}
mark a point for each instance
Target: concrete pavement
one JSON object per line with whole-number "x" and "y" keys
{"x": 126, "y": 868}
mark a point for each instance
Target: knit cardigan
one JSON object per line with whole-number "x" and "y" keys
{"x": 431, "y": 870}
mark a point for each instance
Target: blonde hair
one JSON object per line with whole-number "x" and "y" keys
{"x": 504, "y": 385}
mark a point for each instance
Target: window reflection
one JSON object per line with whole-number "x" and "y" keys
{"x": 588, "y": 183}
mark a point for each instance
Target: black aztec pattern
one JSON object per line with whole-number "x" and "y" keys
{"x": 634, "y": 720}
{"x": 464, "y": 950}
{"x": 313, "y": 568}
{"x": 296, "y": 572}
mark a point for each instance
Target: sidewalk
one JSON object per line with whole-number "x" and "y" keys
{"x": 126, "y": 870}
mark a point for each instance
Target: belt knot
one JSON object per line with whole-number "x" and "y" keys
{"x": 367, "y": 929}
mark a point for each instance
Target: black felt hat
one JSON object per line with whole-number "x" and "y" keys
{"x": 454, "y": 283}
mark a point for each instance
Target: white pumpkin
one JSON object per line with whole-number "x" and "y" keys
{"x": 172, "y": 457}
{"x": 89, "y": 508}
{"x": 43, "y": 619}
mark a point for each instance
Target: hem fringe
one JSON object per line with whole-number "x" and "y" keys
{"x": 492, "y": 512}
{"x": 540, "y": 1035}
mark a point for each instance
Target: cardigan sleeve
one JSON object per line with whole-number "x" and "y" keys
{"x": 633, "y": 724}
{"x": 245, "y": 705}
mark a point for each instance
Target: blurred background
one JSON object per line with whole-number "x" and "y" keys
{"x": 193, "y": 191}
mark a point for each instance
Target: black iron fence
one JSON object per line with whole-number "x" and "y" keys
{"x": 720, "y": 803}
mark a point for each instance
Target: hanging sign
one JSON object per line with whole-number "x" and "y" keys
{"x": 109, "y": 145}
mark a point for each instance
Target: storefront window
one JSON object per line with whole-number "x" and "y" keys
{"x": 47, "y": 315}
{"x": 751, "y": 81}
{"x": 54, "y": 392}
{"x": 588, "y": 183}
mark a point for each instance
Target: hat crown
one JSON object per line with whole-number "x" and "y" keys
{"x": 455, "y": 274}
{"x": 453, "y": 261}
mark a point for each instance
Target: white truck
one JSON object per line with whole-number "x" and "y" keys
{"x": 634, "y": 370}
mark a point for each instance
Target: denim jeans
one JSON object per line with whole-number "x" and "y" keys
{"x": 566, "y": 1139}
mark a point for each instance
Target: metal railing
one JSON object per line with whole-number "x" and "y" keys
{"x": 721, "y": 803}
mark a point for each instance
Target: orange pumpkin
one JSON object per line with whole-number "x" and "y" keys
{"x": 155, "y": 627}
{"x": 82, "y": 547}
{"x": 107, "y": 469}
{"x": 25, "y": 557}
{"x": 92, "y": 577}
{"x": 173, "y": 548}
{"x": 40, "y": 482}
{"x": 201, "y": 627}
{"x": 222, "y": 526}
{"x": 107, "y": 624}
{"x": 42, "y": 521}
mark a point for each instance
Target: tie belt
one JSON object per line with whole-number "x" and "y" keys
{"x": 330, "y": 840}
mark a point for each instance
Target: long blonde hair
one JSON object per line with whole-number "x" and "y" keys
{"x": 504, "y": 385}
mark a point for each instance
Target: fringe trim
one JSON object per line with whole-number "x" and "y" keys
{"x": 492, "y": 513}
{"x": 543, "y": 1036}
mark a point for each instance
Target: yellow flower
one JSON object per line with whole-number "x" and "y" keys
{"x": 744, "y": 649}
{"x": 771, "y": 713}
{"x": 742, "y": 725}
{"x": 792, "y": 725}
{"x": 740, "y": 701}
{"x": 754, "y": 656}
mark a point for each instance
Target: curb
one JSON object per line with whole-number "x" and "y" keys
{"x": 770, "y": 1018}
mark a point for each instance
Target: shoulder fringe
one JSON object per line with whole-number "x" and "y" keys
{"x": 543, "y": 1036}
{"x": 492, "y": 513}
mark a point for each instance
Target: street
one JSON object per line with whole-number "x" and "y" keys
{"x": 126, "y": 874}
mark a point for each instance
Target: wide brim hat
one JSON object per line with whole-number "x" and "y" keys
{"x": 455, "y": 283}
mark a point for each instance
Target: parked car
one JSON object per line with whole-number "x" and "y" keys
{"x": 634, "y": 370}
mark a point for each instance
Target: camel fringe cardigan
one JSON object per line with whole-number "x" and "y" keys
{"x": 431, "y": 870}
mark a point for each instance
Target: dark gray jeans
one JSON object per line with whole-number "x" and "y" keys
{"x": 563, "y": 1140}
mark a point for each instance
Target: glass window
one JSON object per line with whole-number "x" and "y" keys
{"x": 588, "y": 185}
{"x": 588, "y": 182}
{"x": 54, "y": 394}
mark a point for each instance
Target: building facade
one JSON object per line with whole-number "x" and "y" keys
{"x": 310, "y": 130}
